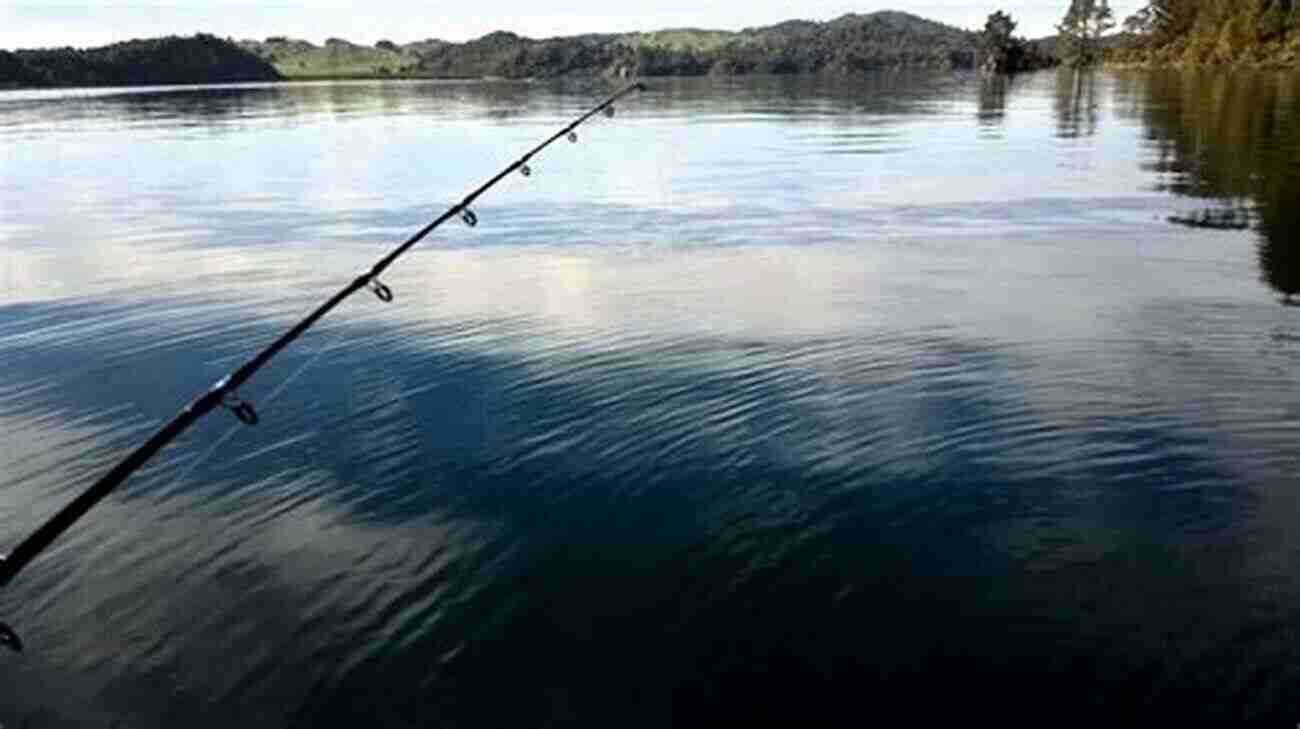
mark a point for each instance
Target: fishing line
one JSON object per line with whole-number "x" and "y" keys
{"x": 225, "y": 392}
{"x": 270, "y": 397}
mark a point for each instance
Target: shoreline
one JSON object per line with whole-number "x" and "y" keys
{"x": 1185, "y": 66}
{"x": 1122, "y": 65}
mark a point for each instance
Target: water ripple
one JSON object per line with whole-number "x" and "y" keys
{"x": 806, "y": 397}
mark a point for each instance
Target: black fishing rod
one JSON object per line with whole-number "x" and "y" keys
{"x": 225, "y": 392}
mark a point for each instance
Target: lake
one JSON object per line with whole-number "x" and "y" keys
{"x": 817, "y": 401}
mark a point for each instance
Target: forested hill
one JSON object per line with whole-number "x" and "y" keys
{"x": 847, "y": 44}
{"x": 158, "y": 61}
{"x": 1206, "y": 32}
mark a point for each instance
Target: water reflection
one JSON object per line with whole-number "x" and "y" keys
{"x": 992, "y": 100}
{"x": 1224, "y": 218}
{"x": 452, "y": 508}
{"x": 773, "y": 397}
{"x": 225, "y": 107}
{"x": 1077, "y": 103}
{"x": 1231, "y": 138}
{"x": 213, "y": 107}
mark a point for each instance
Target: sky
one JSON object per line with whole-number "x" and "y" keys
{"x": 80, "y": 23}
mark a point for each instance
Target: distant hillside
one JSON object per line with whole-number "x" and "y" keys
{"x": 848, "y": 44}
{"x": 159, "y": 61}
{"x": 337, "y": 58}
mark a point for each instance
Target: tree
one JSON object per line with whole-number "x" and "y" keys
{"x": 1216, "y": 31}
{"x": 1163, "y": 20}
{"x": 1272, "y": 22}
{"x": 997, "y": 44}
{"x": 1081, "y": 30}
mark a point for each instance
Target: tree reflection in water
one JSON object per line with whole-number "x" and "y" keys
{"x": 1231, "y": 138}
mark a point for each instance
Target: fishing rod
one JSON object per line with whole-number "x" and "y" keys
{"x": 225, "y": 392}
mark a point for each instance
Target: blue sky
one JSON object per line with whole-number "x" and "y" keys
{"x": 27, "y": 24}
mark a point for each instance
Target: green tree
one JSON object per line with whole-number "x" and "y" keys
{"x": 997, "y": 44}
{"x": 1081, "y": 30}
{"x": 1166, "y": 19}
{"x": 1272, "y": 23}
{"x": 1216, "y": 31}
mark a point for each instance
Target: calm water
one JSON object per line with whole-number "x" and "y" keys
{"x": 807, "y": 400}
